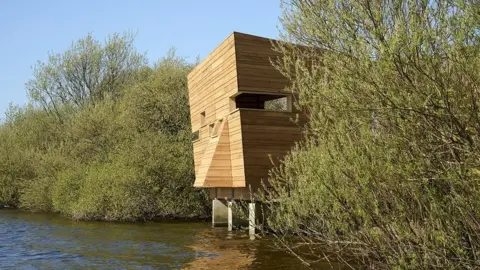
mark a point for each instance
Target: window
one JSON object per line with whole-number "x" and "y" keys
{"x": 211, "y": 128}
{"x": 280, "y": 103}
{"x": 196, "y": 135}
{"x": 202, "y": 118}
{"x": 216, "y": 128}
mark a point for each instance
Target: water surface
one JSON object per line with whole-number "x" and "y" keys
{"x": 48, "y": 241}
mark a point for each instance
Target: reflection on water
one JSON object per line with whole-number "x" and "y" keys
{"x": 46, "y": 241}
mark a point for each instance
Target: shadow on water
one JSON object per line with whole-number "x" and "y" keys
{"x": 48, "y": 241}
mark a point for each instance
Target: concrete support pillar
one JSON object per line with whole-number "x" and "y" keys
{"x": 219, "y": 213}
{"x": 252, "y": 218}
{"x": 230, "y": 216}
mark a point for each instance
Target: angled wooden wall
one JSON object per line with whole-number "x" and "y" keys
{"x": 254, "y": 69}
{"x": 211, "y": 82}
{"x": 216, "y": 166}
{"x": 236, "y": 150}
{"x": 210, "y": 85}
{"x": 267, "y": 136}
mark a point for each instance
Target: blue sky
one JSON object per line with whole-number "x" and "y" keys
{"x": 31, "y": 29}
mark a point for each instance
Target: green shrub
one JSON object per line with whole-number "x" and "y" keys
{"x": 388, "y": 176}
{"x": 119, "y": 152}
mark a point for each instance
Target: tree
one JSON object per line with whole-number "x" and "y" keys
{"x": 86, "y": 73}
{"x": 390, "y": 171}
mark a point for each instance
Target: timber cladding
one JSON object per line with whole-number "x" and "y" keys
{"x": 236, "y": 145}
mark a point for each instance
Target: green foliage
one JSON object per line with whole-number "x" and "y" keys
{"x": 120, "y": 151}
{"x": 87, "y": 73}
{"x": 26, "y": 133}
{"x": 66, "y": 190}
{"x": 389, "y": 172}
{"x": 156, "y": 104}
{"x": 279, "y": 104}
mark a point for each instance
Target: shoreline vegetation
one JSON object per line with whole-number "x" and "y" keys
{"x": 105, "y": 137}
{"x": 158, "y": 219}
{"x": 387, "y": 177}
{"x": 389, "y": 173}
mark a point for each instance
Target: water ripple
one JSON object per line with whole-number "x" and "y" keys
{"x": 45, "y": 241}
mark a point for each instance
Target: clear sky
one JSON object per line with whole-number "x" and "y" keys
{"x": 31, "y": 29}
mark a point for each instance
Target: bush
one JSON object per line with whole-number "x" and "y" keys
{"x": 124, "y": 153}
{"x": 389, "y": 174}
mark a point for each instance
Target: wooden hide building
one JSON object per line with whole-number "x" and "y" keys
{"x": 241, "y": 115}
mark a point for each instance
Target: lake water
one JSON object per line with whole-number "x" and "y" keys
{"x": 48, "y": 241}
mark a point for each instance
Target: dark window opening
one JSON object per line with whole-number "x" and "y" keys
{"x": 263, "y": 102}
{"x": 196, "y": 135}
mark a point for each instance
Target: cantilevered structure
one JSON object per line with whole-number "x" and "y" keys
{"x": 241, "y": 115}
